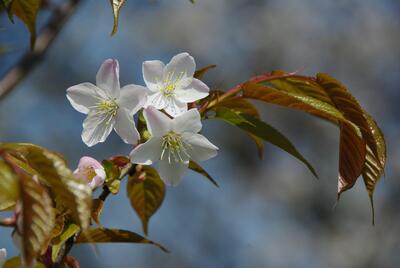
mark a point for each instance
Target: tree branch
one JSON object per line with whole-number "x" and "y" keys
{"x": 27, "y": 63}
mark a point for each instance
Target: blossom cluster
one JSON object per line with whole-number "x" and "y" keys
{"x": 175, "y": 138}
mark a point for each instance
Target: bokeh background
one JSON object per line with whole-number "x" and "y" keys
{"x": 269, "y": 213}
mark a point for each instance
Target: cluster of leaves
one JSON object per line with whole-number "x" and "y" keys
{"x": 52, "y": 207}
{"x": 57, "y": 209}
{"x": 362, "y": 145}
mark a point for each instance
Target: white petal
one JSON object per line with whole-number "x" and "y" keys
{"x": 153, "y": 74}
{"x": 3, "y": 256}
{"x": 195, "y": 91}
{"x": 96, "y": 129}
{"x": 180, "y": 66}
{"x": 148, "y": 152}
{"x": 132, "y": 98}
{"x": 107, "y": 78}
{"x": 172, "y": 173}
{"x": 157, "y": 100}
{"x": 158, "y": 123}
{"x": 175, "y": 107}
{"x": 199, "y": 149}
{"x": 187, "y": 122}
{"x": 125, "y": 127}
{"x": 84, "y": 96}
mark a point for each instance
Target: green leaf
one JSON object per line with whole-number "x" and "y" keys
{"x": 146, "y": 192}
{"x": 8, "y": 187}
{"x": 27, "y": 11}
{"x": 116, "y": 6}
{"x": 242, "y": 105}
{"x": 112, "y": 181}
{"x": 100, "y": 235}
{"x": 15, "y": 262}
{"x": 199, "y": 74}
{"x": 52, "y": 170}
{"x": 197, "y": 168}
{"x": 70, "y": 231}
{"x": 262, "y": 130}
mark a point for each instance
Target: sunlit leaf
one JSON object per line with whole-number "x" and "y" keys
{"x": 51, "y": 169}
{"x": 70, "y": 230}
{"x": 199, "y": 74}
{"x": 362, "y": 146}
{"x": 37, "y": 218}
{"x": 262, "y": 130}
{"x": 100, "y": 235}
{"x": 27, "y": 11}
{"x": 112, "y": 176}
{"x": 8, "y": 186}
{"x": 242, "y": 105}
{"x": 197, "y": 168}
{"x": 116, "y": 6}
{"x": 146, "y": 193}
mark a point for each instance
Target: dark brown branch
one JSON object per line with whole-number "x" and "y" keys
{"x": 43, "y": 42}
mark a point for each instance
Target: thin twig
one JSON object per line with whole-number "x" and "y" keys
{"x": 27, "y": 63}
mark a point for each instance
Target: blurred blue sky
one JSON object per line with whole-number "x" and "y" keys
{"x": 269, "y": 213}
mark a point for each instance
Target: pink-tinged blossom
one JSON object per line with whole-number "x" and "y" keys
{"x": 172, "y": 86}
{"x": 91, "y": 171}
{"x": 107, "y": 106}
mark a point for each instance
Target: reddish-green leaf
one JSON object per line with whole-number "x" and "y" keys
{"x": 197, "y": 168}
{"x": 146, "y": 192}
{"x": 199, "y": 74}
{"x": 116, "y": 6}
{"x": 100, "y": 235}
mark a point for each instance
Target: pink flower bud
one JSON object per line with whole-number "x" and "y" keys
{"x": 91, "y": 171}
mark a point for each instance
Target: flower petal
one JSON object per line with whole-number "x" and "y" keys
{"x": 133, "y": 98}
{"x": 147, "y": 153}
{"x": 180, "y": 66}
{"x": 125, "y": 127}
{"x": 199, "y": 149}
{"x": 172, "y": 173}
{"x": 175, "y": 107}
{"x": 157, "y": 100}
{"x": 107, "y": 77}
{"x": 195, "y": 91}
{"x": 153, "y": 74}
{"x": 187, "y": 122}
{"x": 96, "y": 128}
{"x": 84, "y": 96}
{"x": 158, "y": 123}
{"x": 3, "y": 256}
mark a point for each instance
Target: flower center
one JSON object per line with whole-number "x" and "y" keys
{"x": 90, "y": 173}
{"x": 170, "y": 83}
{"x": 107, "y": 109}
{"x": 173, "y": 144}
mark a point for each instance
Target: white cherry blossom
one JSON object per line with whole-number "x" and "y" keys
{"x": 173, "y": 143}
{"x": 91, "y": 171}
{"x": 172, "y": 86}
{"x": 108, "y": 106}
{"x": 3, "y": 256}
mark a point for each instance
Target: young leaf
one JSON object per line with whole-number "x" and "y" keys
{"x": 51, "y": 169}
{"x": 199, "y": 74}
{"x": 100, "y": 235}
{"x": 262, "y": 130}
{"x": 197, "y": 168}
{"x": 112, "y": 176}
{"x": 116, "y": 6}
{"x": 27, "y": 11}
{"x": 145, "y": 194}
{"x": 240, "y": 104}
{"x": 8, "y": 186}
{"x": 37, "y": 218}
{"x": 70, "y": 230}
